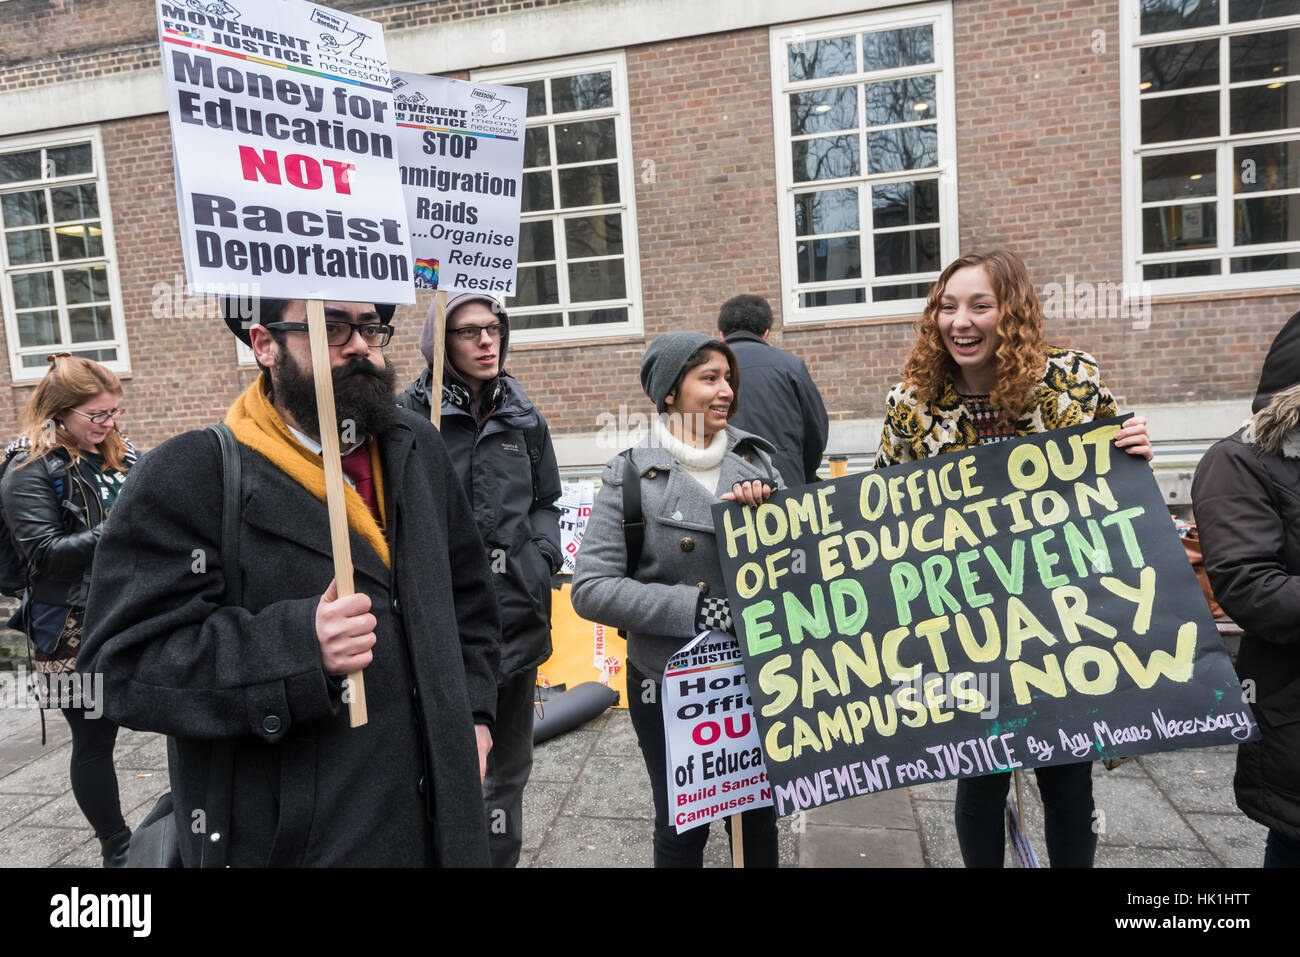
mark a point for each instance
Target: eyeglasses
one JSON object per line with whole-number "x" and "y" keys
{"x": 373, "y": 334}
{"x": 99, "y": 418}
{"x": 470, "y": 333}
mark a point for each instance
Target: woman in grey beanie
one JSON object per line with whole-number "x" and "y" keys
{"x": 675, "y": 589}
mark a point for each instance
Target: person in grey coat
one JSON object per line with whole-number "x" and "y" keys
{"x": 782, "y": 403}
{"x": 677, "y": 589}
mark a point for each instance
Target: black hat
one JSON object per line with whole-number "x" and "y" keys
{"x": 243, "y": 312}
{"x": 1281, "y": 366}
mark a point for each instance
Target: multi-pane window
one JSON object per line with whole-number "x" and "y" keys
{"x": 60, "y": 289}
{"x": 578, "y": 275}
{"x": 864, "y": 121}
{"x": 1215, "y": 176}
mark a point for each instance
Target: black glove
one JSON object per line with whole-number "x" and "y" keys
{"x": 713, "y": 614}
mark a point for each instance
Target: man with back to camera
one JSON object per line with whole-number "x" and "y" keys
{"x": 781, "y": 402}
{"x": 255, "y": 695}
{"x": 501, "y": 450}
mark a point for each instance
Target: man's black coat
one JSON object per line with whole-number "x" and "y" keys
{"x": 780, "y": 402}
{"x": 307, "y": 789}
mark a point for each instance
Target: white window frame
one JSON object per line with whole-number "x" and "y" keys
{"x": 1225, "y": 196}
{"x": 616, "y": 63}
{"x": 939, "y": 17}
{"x": 122, "y": 364}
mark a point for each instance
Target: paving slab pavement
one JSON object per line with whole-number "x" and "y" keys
{"x": 588, "y": 805}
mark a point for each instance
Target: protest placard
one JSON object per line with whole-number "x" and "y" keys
{"x": 461, "y": 147}
{"x": 575, "y": 503}
{"x": 287, "y": 181}
{"x": 286, "y": 167}
{"x": 1022, "y": 604}
{"x": 715, "y": 764}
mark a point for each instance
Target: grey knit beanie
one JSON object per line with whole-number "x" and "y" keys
{"x": 428, "y": 343}
{"x": 663, "y": 361}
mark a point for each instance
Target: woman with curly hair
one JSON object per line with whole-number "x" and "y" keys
{"x": 981, "y": 371}
{"x": 62, "y": 478}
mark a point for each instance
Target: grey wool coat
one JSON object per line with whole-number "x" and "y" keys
{"x": 679, "y": 562}
{"x": 305, "y": 788}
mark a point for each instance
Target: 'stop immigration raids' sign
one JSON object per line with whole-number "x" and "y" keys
{"x": 286, "y": 169}
{"x": 1023, "y": 604}
{"x": 461, "y": 147}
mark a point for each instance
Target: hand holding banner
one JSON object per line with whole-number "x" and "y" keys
{"x": 1022, "y": 604}
{"x": 287, "y": 180}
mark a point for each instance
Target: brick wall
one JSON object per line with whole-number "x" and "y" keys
{"x": 47, "y": 41}
{"x": 1038, "y": 141}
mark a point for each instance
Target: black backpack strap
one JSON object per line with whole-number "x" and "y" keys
{"x": 216, "y": 840}
{"x": 533, "y": 446}
{"x": 633, "y": 519}
{"x": 231, "y": 486}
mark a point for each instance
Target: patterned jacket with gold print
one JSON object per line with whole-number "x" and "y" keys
{"x": 1070, "y": 392}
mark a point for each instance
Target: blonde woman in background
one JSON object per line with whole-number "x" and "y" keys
{"x": 59, "y": 484}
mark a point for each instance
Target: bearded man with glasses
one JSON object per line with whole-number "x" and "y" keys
{"x": 501, "y": 450}
{"x": 253, "y": 696}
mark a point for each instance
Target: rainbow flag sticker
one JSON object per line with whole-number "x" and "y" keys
{"x": 426, "y": 274}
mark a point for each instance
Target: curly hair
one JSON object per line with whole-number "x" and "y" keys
{"x": 750, "y": 314}
{"x": 70, "y": 381}
{"x": 1022, "y": 350}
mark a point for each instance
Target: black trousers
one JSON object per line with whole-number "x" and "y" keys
{"x": 1067, "y": 816}
{"x": 1281, "y": 851}
{"x": 94, "y": 779}
{"x": 759, "y": 835}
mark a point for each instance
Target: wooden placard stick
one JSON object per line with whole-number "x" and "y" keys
{"x": 334, "y": 501}
{"x": 439, "y": 348}
{"x": 737, "y": 842}
{"x": 1020, "y": 803}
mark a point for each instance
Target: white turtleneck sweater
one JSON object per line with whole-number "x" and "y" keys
{"x": 703, "y": 465}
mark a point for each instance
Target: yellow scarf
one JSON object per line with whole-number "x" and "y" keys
{"x": 258, "y": 425}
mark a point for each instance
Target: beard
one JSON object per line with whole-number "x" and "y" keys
{"x": 363, "y": 395}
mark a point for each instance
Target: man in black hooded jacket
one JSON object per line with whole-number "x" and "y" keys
{"x": 501, "y": 449}
{"x": 1246, "y": 495}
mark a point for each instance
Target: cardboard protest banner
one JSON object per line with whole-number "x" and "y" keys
{"x": 461, "y": 147}
{"x": 286, "y": 167}
{"x": 1023, "y": 604}
{"x": 715, "y": 764}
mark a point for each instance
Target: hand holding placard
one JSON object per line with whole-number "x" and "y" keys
{"x": 924, "y": 621}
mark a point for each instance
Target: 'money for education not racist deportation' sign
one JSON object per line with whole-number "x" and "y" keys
{"x": 461, "y": 147}
{"x": 1023, "y": 604}
{"x": 286, "y": 169}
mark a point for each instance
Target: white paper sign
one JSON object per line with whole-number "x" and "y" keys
{"x": 283, "y": 129}
{"x": 461, "y": 147}
{"x": 575, "y": 503}
{"x": 715, "y": 764}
